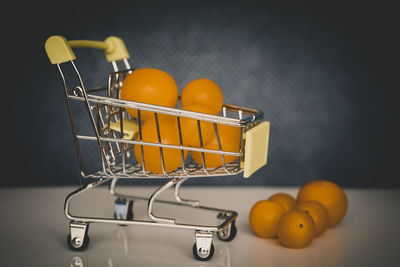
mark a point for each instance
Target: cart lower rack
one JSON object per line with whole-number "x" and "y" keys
{"x": 115, "y": 134}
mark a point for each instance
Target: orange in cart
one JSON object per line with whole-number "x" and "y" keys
{"x": 296, "y": 229}
{"x": 150, "y": 86}
{"x": 264, "y": 218}
{"x": 328, "y": 194}
{"x": 172, "y": 158}
{"x": 190, "y": 127}
{"x": 285, "y": 200}
{"x": 318, "y": 213}
{"x": 203, "y": 91}
{"x": 229, "y": 137}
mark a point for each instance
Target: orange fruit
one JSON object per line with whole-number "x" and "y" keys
{"x": 190, "y": 129}
{"x": 285, "y": 200}
{"x": 264, "y": 218}
{"x": 203, "y": 91}
{"x": 151, "y": 86}
{"x": 172, "y": 158}
{"x": 230, "y": 141}
{"x": 328, "y": 194}
{"x": 318, "y": 213}
{"x": 296, "y": 229}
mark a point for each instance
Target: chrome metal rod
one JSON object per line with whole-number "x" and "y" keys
{"x": 194, "y": 203}
{"x": 91, "y": 116}
{"x": 153, "y": 197}
{"x": 160, "y": 109}
{"x": 76, "y": 193}
{"x": 73, "y": 126}
{"x": 120, "y": 140}
{"x": 163, "y": 222}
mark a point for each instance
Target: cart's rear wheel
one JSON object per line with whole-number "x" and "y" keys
{"x": 76, "y": 244}
{"x": 201, "y": 254}
{"x": 229, "y": 233}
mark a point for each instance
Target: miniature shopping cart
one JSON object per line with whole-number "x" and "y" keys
{"x": 114, "y": 134}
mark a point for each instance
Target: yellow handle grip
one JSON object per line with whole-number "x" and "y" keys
{"x": 59, "y": 50}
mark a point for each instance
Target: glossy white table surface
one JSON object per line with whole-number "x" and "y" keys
{"x": 33, "y": 231}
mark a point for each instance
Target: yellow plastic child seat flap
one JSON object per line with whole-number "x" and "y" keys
{"x": 256, "y": 148}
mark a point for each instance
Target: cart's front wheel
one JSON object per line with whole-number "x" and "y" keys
{"x": 203, "y": 254}
{"x": 228, "y": 233}
{"x": 77, "y": 244}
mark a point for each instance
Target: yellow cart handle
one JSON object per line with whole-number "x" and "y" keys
{"x": 59, "y": 50}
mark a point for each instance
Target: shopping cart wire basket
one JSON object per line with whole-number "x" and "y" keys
{"x": 116, "y": 133}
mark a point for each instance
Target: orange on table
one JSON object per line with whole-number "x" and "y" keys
{"x": 151, "y": 86}
{"x": 329, "y": 194}
{"x": 169, "y": 135}
{"x": 287, "y": 201}
{"x": 318, "y": 213}
{"x": 230, "y": 142}
{"x": 190, "y": 129}
{"x": 203, "y": 91}
{"x": 264, "y": 218}
{"x": 296, "y": 229}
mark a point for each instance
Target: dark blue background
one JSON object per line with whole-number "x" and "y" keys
{"x": 324, "y": 75}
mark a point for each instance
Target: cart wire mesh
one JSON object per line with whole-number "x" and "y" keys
{"x": 116, "y": 150}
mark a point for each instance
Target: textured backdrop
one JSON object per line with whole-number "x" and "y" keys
{"x": 321, "y": 74}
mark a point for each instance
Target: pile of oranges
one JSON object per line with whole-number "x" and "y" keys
{"x": 157, "y": 87}
{"x": 320, "y": 204}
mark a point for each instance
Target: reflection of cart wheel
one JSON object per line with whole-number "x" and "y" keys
{"x": 129, "y": 217}
{"x": 123, "y": 210}
{"x": 229, "y": 233}
{"x": 77, "y": 244}
{"x": 202, "y": 254}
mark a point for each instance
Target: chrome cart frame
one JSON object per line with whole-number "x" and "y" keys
{"x": 105, "y": 108}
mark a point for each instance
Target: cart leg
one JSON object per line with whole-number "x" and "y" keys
{"x": 76, "y": 193}
{"x": 152, "y": 199}
{"x": 203, "y": 248}
{"x": 112, "y": 186}
{"x": 78, "y": 238}
{"x": 194, "y": 203}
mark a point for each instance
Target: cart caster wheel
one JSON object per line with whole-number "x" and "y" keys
{"x": 76, "y": 244}
{"x": 229, "y": 233}
{"x": 202, "y": 254}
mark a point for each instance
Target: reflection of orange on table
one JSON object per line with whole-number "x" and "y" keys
{"x": 327, "y": 250}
